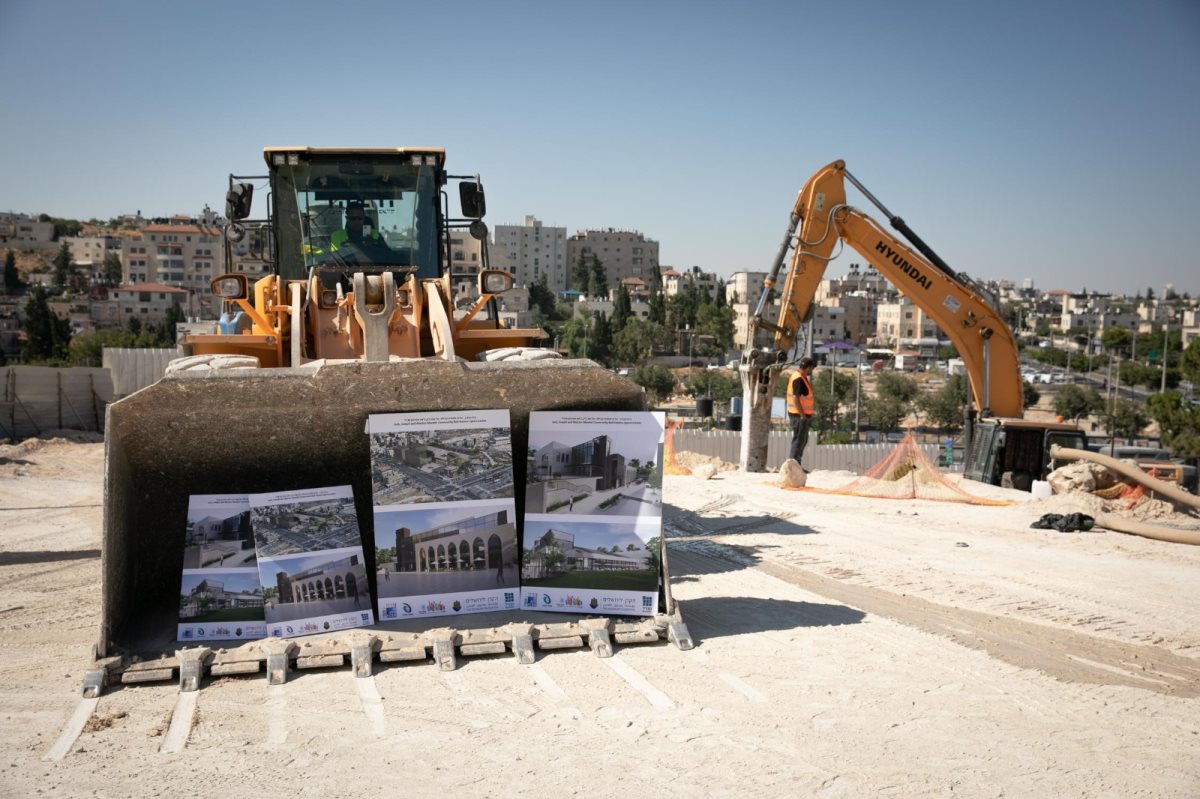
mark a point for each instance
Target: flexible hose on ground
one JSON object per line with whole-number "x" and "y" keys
{"x": 1111, "y": 522}
{"x": 1164, "y": 489}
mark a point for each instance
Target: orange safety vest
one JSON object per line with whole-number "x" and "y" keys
{"x": 797, "y": 406}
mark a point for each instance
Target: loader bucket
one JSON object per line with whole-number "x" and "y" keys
{"x": 261, "y": 430}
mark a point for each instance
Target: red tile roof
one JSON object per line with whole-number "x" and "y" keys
{"x": 162, "y": 287}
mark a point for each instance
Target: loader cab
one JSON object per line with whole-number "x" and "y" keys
{"x": 346, "y": 211}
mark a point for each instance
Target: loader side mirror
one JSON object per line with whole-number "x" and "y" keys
{"x": 470, "y": 195}
{"x": 230, "y": 287}
{"x": 495, "y": 281}
{"x": 237, "y": 201}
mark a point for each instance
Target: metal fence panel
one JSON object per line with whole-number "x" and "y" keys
{"x": 726, "y": 445}
{"x": 135, "y": 368}
{"x": 34, "y": 399}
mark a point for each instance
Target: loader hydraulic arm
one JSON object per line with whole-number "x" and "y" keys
{"x": 982, "y": 338}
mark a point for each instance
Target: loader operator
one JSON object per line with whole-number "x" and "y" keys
{"x": 800, "y": 406}
{"x": 354, "y": 239}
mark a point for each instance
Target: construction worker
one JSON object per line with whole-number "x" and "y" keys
{"x": 800, "y": 406}
{"x": 353, "y": 239}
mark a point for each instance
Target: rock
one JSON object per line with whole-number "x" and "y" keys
{"x": 704, "y": 471}
{"x": 1081, "y": 476}
{"x": 791, "y": 475}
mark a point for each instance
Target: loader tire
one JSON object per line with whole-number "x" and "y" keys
{"x": 211, "y": 363}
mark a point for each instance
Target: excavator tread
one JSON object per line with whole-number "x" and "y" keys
{"x": 360, "y": 648}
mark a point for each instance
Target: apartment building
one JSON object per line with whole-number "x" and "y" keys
{"x": 675, "y": 282}
{"x": 902, "y": 323}
{"x": 147, "y": 302}
{"x": 744, "y": 287}
{"x": 533, "y": 251}
{"x": 88, "y": 253}
{"x": 181, "y": 253}
{"x": 25, "y": 232}
{"x": 623, "y": 253}
{"x": 859, "y": 317}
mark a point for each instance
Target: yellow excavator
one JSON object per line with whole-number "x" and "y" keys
{"x": 1001, "y": 446}
{"x": 359, "y": 314}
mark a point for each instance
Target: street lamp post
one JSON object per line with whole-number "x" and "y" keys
{"x": 858, "y": 395}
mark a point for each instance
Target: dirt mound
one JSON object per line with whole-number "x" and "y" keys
{"x": 690, "y": 460}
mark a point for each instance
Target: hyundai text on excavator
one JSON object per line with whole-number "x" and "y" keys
{"x": 358, "y": 315}
{"x": 1001, "y": 446}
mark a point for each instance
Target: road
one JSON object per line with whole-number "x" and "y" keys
{"x": 845, "y": 647}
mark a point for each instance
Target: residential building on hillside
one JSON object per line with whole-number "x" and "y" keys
{"x": 902, "y": 323}
{"x": 147, "y": 302}
{"x": 623, "y": 253}
{"x": 744, "y": 287}
{"x": 182, "y": 254}
{"x": 24, "y": 231}
{"x": 859, "y": 319}
{"x": 675, "y": 282}
{"x": 534, "y": 251}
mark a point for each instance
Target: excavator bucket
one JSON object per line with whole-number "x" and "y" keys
{"x": 263, "y": 430}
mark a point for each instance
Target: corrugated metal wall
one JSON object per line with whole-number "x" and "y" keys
{"x": 726, "y": 445}
{"x": 34, "y": 399}
{"x": 134, "y": 369}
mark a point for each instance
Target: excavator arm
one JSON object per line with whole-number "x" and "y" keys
{"x": 821, "y": 221}
{"x": 982, "y": 338}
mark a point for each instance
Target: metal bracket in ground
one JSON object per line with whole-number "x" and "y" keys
{"x": 522, "y": 643}
{"x": 278, "y": 654}
{"x": 599, "y": 637}
{"x": 362, "y": 653}
{"x": 443, "y": 648}
{"x": 677, "y": 633}
{"x": 95, "y": 678}
{"x": 191, "y": 667}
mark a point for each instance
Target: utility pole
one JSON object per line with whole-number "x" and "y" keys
{"x": 858, "y": 396}
{"x": 1166, "y": 344}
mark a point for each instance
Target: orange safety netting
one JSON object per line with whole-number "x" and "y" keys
{"x": 907, "y": 473}
{"x": 670, "y": 464}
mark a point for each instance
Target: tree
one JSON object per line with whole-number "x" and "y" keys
{"x": 634, "y": 342}
{"x": 581, "y": 274}
{"x": 597, "y": 280}
{"x": 886, "y": 413}
{"x": 825, "y": 406}
{"x": 1189, "y": 362}
{"x": 716, "y": 323}
{"x": 622, "y": 309}
{"x": 541, "y": 297}
{"x": 945, "y": 407}
{"x": 1116, "y": 339}
{"x": 658, "y": 306}
{"x": 599, "y": 346}
{"x": 713, "y": 383}
{"x": 64, "y": 269}
{"x": 46, "y": 336}
{"x": 1030, "y": 394}
{"x": 657, "y": 380}
{"x": 574, "y": 337}
{"x": 12, "y": 278}
{"x": 1127, "y": 419}
{"x": 111, "y": 270}
{"x": 1178, "y": 423}
{"x": 897, "y": 386}
{"x": 1072, "y": 402}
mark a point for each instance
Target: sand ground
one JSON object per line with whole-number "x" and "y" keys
{"x": 845, "y": 647}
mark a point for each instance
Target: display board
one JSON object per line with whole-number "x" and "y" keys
{"x": 445, "y": 517}
{"x": 220, "y": 597}
{"x": 593, "y": 512}
{"x": 310, "y": 561}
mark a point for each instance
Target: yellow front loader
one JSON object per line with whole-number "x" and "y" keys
{"x": 357, "y": 313}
